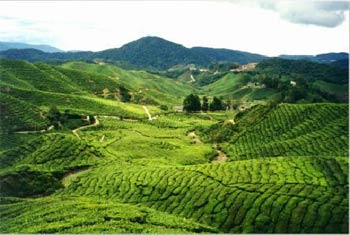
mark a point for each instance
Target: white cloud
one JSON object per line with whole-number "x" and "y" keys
{"x": 320, "y": 13}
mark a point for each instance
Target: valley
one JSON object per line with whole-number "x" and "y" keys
{"x": 92, "y": 147}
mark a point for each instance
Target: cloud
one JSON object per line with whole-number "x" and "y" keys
{"x": 321, "y": 13}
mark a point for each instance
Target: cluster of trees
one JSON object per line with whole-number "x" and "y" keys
{"x": 124, "y": 94}
{"x": 192, "y": 103}
{"x": 58, "y": 118}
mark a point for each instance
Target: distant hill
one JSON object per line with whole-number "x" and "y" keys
{"x": 308, "y": 70}
{"x": 280, "y": 80}
{"x": 19, "y": 45}
{"x": 154, "y": 53}
{"x": 341, "y": 63}
{"x": 147, "y": 52}
{"x": 320, "y": 58}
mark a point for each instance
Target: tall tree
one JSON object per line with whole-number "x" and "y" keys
{"x": 205, "y": 105}
{"x": 124, "y": 94}
{"x": 192, "y": 103}
{"x": 216, "y": 104}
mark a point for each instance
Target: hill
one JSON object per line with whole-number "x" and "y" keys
{"x": 285, "y": 130}
{"x": 276, "y": 80}
{"x": 320, "y": 58}
{"x": 85, "y": 215}
{"x": 19, "y": 45}
{"x": 88, "y": 147}
{"x": 168, "y": 175}
{"x": 148, "y": 52}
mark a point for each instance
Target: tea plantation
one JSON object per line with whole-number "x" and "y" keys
{"x": 105, "y": 166}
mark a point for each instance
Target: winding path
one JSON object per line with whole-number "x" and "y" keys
{"x": 147, "y": 112}
{"x": 96, "y": 123}
{"x": 192, "y": 78}
{"x": 195, "y": 138}
{"x": 33, "y": 132}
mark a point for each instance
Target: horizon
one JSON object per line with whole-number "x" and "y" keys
{"x": 270, "y": 28}
{"x": 152, "y": 36}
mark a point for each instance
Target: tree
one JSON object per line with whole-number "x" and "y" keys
{"x": 163, "y": 107}
{"x": 228, "y": 104}
{"x": 205, "y": 105}
{"x": 216, "y": 104}
{"x": 124, "y": 94}
{"x": 54, "y": 116}
{"x": 192, "y": 103}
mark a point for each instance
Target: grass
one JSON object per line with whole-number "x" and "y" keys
{"x": 234, "y": 86}
{"x": 146, "y": 86}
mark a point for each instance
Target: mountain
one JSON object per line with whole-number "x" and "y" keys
{"x": 320, "y": 58}
{"x": 18, "y": 45}
{"x": 153, "y": 52}
{"x": 217, "y": 55}
{"x": 344, "y": 64}
{"x": 148, "y": 52}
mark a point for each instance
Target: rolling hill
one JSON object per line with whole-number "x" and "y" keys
{"x": 89, "y": 147}
{"x": 320, "y": 58}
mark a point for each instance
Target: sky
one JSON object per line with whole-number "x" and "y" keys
{"x": 266, "y": 27}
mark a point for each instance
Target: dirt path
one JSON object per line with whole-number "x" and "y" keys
{"x": 33, "y": 132}
{"x": 195, "y": 138}
{"x": 147, "y": 112}
{"x": 96, "y": 123}
{"x": 192, "y": 78}
{"x": 221, "y": 157}
{"x": 231, "y": 121}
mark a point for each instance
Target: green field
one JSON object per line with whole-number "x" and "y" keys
{"x": 273, "y": 168}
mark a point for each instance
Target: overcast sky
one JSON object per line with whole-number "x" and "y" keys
{"x": 265, "y": 27}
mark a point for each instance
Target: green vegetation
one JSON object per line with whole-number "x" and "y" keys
{"x": 265, "y": 195}
{"x": 286, "y": 130}
{"x": 147, "y": 52}
{"x": 93, "y": 148}
{"x": 192, "y": 103}
{"x": 88, "y": 215}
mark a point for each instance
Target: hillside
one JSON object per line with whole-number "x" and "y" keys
{"x": 292, "y": 130}
{"x": 277, "y": 80}
{"x": 170, "y": 176}
{"x": 320, "y": 58}
{"x": 93, "y": 148}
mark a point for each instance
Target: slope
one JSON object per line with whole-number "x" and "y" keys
{"x": 275, "y": 195}
{"x": 146, "y": 87}
{"x": 291, "y": 130}
{"x": 85, "y": 215}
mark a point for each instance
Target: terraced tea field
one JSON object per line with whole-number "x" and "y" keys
{"x": 88, "y": 215}
{"x": 286, "y": 170}
{"x": 165, "y": 176}
{"x": 270, "y": 195}
{"x": 294, "y": 130}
